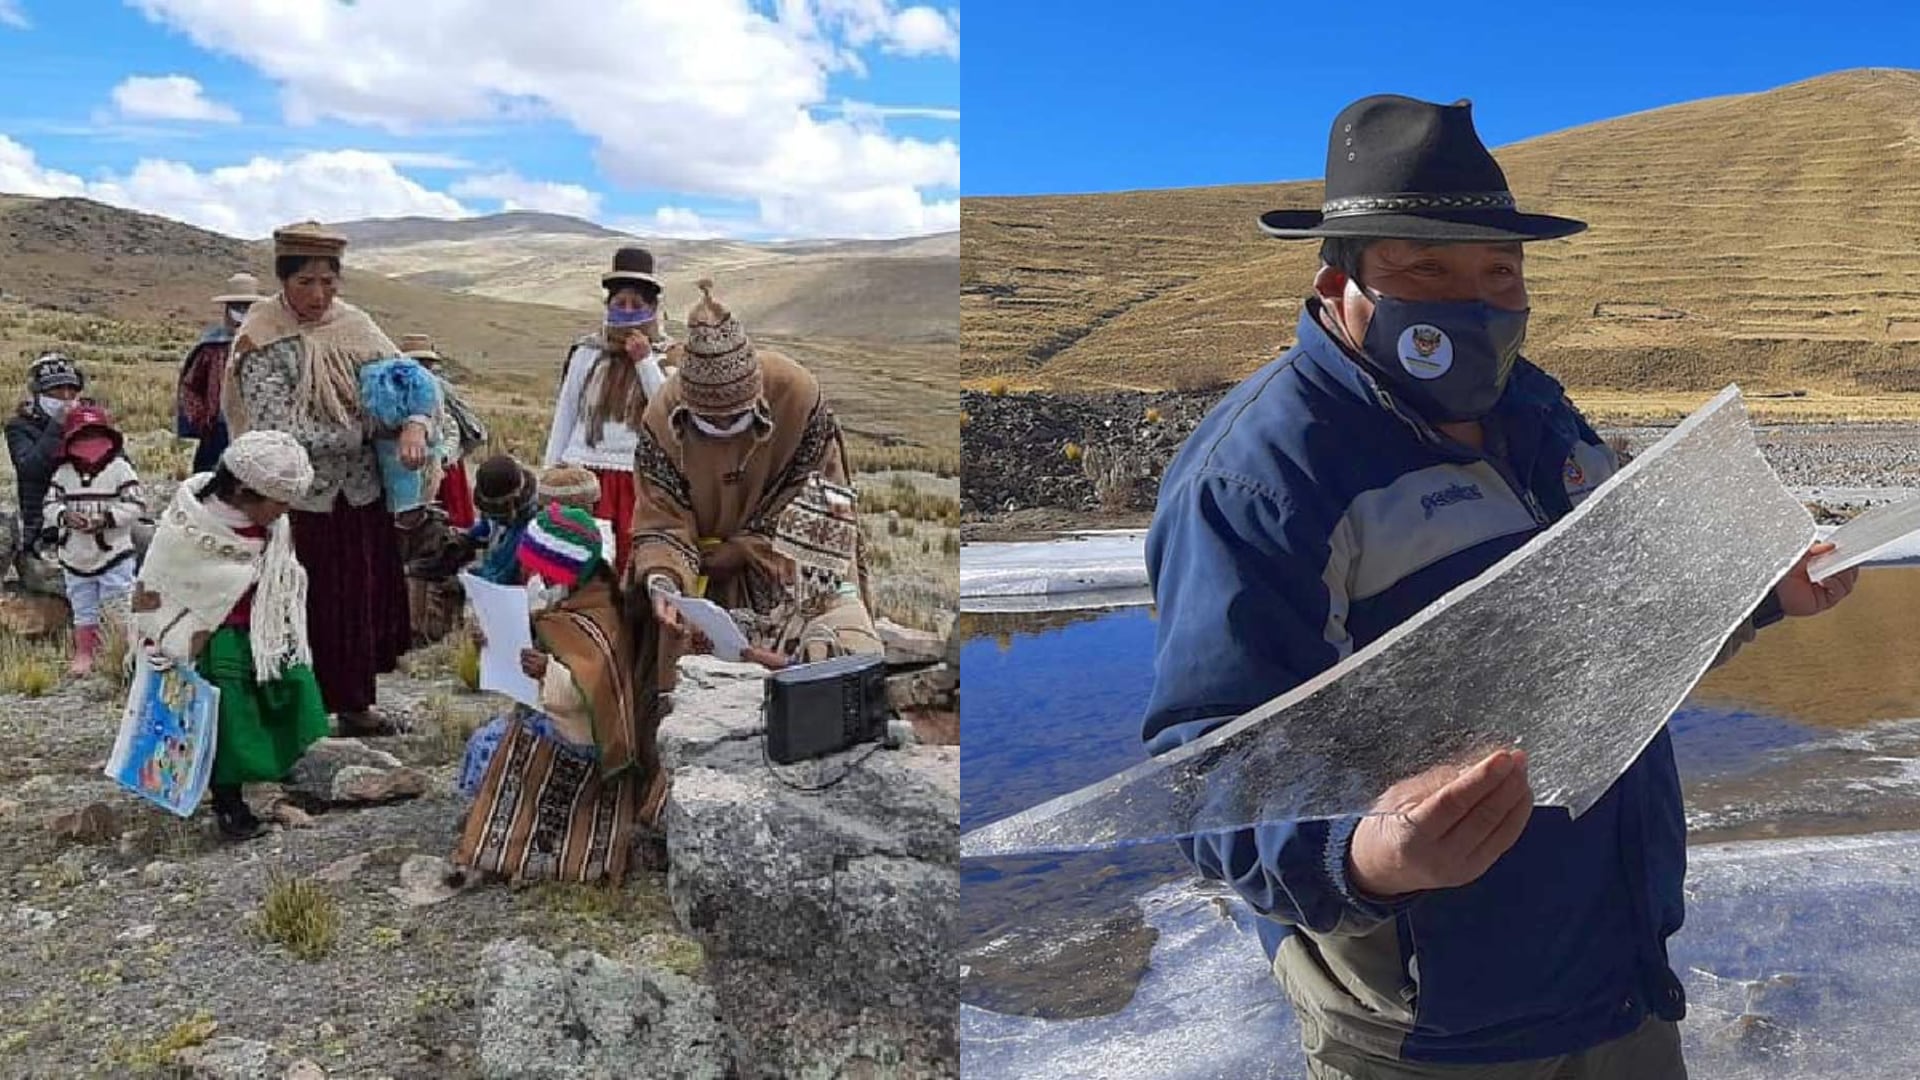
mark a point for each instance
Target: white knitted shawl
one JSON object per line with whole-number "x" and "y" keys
{"x": 201, "y": 568}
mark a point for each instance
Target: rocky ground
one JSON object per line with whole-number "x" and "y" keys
{"x": 1039, "y": 463}
{"x": 334, "y": 947}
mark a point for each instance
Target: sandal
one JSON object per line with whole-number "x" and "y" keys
{"x": 370, "y": 725}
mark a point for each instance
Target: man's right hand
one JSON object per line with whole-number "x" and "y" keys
{"x": 1441, "y": 829}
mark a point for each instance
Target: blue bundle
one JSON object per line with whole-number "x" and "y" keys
{"x": 391, "y": 390}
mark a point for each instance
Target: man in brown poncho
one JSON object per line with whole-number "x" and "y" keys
{"x": 727, "y": 442}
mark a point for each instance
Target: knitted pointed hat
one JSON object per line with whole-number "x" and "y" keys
{"x": 561, "y": 544}
{"x": 570, "y": 486}
{"x": 720, "y": 375}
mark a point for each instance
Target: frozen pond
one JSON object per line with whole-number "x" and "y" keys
{"x": 1806, "y": 743}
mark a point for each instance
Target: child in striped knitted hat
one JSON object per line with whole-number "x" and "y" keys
{"x": 559, "y": 549}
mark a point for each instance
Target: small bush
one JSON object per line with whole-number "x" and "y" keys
{"x": 300, "y": 916}
{"x": 1072, "y": 451}
{"x": 1204, "y": 375}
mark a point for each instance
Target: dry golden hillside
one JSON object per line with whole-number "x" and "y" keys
{"x": 154, "y": 275}
{"x": 1766, "y": 238}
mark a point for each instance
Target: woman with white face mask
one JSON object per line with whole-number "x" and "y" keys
{"x": 54, "y": 383}
{"x": 608, "y": 380}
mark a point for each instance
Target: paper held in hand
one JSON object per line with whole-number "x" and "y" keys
{"x": 502, "y": 613}
{"x": 1866, "y": 536}
{"x": 712, "y": 620}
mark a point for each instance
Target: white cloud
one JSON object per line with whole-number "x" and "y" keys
{"x": 868, "y": 114}
{"x": 21, "y": 174}
{"x": 859, "y": 215}
{"x": 248, "y": 200}
{"x": 711, "y": 100}
{"x": 922, "y": 31}
{"x": 516, "y": 192}
{"x": 169, "y": 97}
{"x": 12, "y": 15}
{"x": 420, "y": 159}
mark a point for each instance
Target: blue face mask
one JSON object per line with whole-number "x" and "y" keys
{"x": 1448, "y": 359}
{"x": 626, "y": 317}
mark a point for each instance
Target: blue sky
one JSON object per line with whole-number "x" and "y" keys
{"x": 1078, "y": 96}
{"x": 753, "y": 118}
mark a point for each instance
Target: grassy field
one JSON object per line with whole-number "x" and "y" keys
{"x": 903, "y": 431}
{"x": 1747, "y": 239}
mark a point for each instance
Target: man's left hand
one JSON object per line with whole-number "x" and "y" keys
{"x": 1801, "y": 595}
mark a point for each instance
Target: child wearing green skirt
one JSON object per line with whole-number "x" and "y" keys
{"x": 222, "y": 589}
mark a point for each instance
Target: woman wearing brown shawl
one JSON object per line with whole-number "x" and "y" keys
{"x": 732, "y": 436}
{"x": 295, "y": 368}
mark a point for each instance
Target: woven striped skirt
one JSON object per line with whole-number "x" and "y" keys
{"x": 544, "y": 814}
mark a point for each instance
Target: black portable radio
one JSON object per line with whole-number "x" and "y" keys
{"x": 813, "y": 710}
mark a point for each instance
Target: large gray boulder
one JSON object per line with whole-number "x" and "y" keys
{"x": 825, "y": 913}
{"x": 583, "y": 1017}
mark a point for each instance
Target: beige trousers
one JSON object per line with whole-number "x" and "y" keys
{"x": 1650, "y": 1053}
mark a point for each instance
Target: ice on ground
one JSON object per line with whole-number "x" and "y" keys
{"x": 1108, "y": 568}
{"x": 1088, "y": 600}
{"x": 1207, "y": 1009}
{"x": 1800, "y": 960}
{"x": 1604, "y": 622}
{"x": 1070, "y": 565}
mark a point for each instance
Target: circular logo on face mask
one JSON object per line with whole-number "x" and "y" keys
{"x": 1425, "y": 351}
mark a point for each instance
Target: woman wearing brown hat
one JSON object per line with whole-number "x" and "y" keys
{"x": 723, "y": 447}
{"x": 608, "y": 380}
{"x": 295, "y": 368}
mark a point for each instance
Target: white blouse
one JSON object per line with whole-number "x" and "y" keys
{"x": 567, "y": 439}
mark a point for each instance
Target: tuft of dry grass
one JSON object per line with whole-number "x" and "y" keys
{"x": 29, "y": 668}
{"x": 158, "y": 1054}
{"x": 300, "y": 916}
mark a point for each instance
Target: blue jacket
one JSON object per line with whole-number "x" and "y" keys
{"x": 1307, "y": 515}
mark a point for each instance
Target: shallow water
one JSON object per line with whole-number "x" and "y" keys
{"x": 1811, "y": 730}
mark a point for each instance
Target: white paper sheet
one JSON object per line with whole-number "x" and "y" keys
{"x": 504, "y": 620}
{"x": 712, "y": 620}
{"x": 1860, "y": 539}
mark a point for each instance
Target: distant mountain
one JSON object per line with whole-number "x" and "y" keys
{"x": 423, "y": 230}
{"x": 1768, "y": 238}
{"x": 903, "y": 291}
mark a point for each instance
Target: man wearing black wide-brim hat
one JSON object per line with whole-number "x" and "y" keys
{"x": 1398, "y": 450}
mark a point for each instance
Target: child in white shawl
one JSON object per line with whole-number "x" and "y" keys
{"x": 222, "y": 589}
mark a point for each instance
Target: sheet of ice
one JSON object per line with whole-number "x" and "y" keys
{"x": 1581, "y": 644}
{"x": 1207, "y": 1009}
{"x": 1801, "y": 960}
{"x": 1865, "y": 536}
{"x": 1085, "y": 562}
